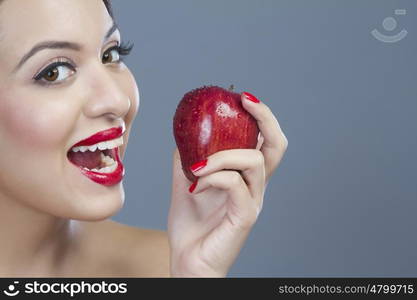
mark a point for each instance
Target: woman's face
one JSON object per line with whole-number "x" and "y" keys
{"x": 43, "y": 114}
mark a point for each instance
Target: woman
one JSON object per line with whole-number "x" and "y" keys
{"x": 62, "y": 86}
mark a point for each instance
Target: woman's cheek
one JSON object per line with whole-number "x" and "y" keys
{"x": 34, "y": 123}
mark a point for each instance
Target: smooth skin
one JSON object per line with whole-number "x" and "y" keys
{"x": 55, "y": 222}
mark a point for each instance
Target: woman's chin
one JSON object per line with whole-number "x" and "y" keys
{"x": 91, "y": 201}
{"x": 95, "y": 208}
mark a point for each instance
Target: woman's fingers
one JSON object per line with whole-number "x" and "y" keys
{"x": 242, "y": 210}
{"x": 249, "y": 162}
{"x": 275, "y": 142}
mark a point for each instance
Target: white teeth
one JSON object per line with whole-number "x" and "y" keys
{"x": 107, "y": 160}
{"x": 109, "y": 169}
{"x": 101, "y": 146}
{"x": 111, "y": 165}
{"x": 92, "y": 148}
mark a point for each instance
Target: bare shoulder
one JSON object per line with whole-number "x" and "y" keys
{"x": 121, "y": 250}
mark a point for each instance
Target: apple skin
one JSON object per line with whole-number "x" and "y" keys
{"x": 211, "y": 119}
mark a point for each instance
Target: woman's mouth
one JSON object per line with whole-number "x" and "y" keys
{"x": 100, "y": 161}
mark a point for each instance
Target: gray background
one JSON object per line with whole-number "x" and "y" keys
{"x": 344, "y": 199}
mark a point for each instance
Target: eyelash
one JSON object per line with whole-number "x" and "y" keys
{"x": 123, "y": 49}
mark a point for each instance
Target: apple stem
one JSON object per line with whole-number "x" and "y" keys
{"x": 231, "y": 87}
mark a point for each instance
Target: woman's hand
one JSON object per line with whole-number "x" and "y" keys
{"x": 208, "y": 226}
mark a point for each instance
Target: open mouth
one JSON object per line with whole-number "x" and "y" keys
{"x": 101, "y": 157}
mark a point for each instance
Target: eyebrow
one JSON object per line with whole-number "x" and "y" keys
{"x": 58, "y": 45}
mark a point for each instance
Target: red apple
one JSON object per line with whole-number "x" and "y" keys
{"x": 210, "y": 119}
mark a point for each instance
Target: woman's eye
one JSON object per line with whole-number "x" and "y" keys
{"x": 111, "y": 55}
{"x": 115, "y": 53}
{"x": 57, "y": 72}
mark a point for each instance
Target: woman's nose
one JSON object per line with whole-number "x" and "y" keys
{"x": 106, "y": 96}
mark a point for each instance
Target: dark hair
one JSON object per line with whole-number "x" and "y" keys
{"x": 107, "y": 3}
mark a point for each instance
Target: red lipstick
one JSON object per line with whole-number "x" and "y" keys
{"x": 101, "y": 136}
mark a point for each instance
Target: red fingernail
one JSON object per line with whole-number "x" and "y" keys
{"x": 251, "y": 97}
{"x": 198, "y": 166}
{"x": 192, "y": 187}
